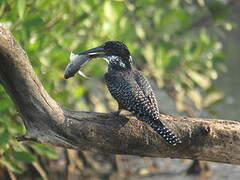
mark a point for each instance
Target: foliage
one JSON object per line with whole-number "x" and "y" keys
{"x": 171, "y": 41}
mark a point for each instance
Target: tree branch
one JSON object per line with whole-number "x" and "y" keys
{"x": 48, "y": 122}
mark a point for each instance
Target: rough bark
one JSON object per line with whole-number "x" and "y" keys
{"x": 48, "y": 122}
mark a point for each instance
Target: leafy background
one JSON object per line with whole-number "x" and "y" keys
{"x": 177, "y": 44}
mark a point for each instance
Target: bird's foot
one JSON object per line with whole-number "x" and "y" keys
{"x": 130, "y": 114}
{"x": 124, "y": 112}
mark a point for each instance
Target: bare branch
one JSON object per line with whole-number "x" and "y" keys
{"x": 47, "y": 122}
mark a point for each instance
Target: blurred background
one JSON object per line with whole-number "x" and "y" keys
{"x": 188, "y": 49}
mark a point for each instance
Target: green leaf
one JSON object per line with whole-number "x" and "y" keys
{"x": 195, "y": 97}
{"x": 79, "y": 91}
{"x": 13, "y": 166}
{"x": 33, "y": 22}
{"x": 24, "y": 156}
{"x": 4, "y": 138}
{"x": 148, "y": 52}
{"x": 212, "y": 98}
{"x": 202, "y": 80}
{"x": 44, "y": 150}
{"x": 21, "y": 8}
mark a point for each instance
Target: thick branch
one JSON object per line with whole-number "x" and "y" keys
{"x": 47, "y": 122}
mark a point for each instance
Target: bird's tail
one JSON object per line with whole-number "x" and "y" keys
{"x": 166, "y": 134}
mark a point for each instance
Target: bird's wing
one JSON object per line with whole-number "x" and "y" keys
{"x": 131, "y": 96}
{"x": 134, "y": 94}
{"x": 145, "y": 87}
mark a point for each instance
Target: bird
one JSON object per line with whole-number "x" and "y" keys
{"x": 130, "y": 88}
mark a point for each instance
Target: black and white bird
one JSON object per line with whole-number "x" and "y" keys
{"x": 130, "y": 88}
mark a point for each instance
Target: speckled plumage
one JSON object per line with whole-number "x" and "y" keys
{"x": 130, "y": 88}
{"x": 133, "y": 93}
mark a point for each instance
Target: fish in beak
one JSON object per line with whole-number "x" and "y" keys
{"x": 78, "y": 60}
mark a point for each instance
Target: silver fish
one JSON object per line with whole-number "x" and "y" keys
{"x": 76, "y": 62}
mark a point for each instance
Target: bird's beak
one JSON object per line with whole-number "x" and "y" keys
{"x": 96, "y": 52}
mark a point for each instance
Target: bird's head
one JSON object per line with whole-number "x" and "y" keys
{"x": 116, "y": 53}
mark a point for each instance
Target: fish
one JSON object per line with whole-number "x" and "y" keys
{"x": 76, "y": 62}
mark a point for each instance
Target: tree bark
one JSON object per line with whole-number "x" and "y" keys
{"x": 48, "y": 122}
